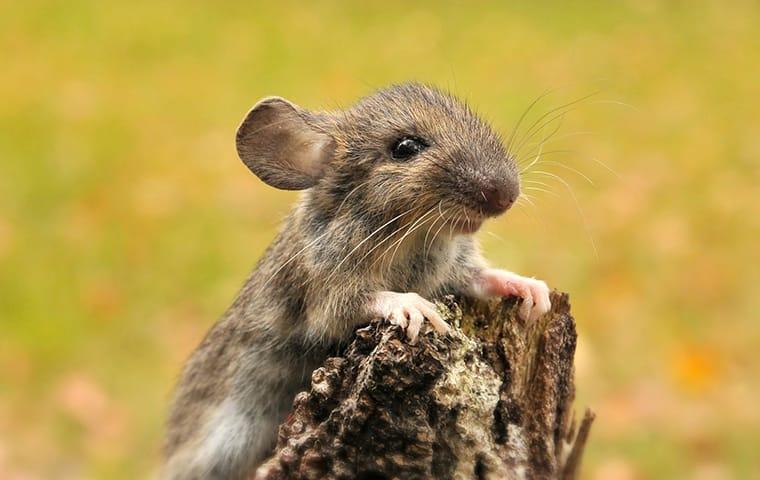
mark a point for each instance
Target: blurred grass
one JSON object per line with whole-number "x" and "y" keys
{"x": 127, "y": 222}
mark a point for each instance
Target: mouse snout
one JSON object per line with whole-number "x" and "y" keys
{"x": 497, "y": 198}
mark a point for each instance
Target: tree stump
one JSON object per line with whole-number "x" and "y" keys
{"x": 492, "y": 400}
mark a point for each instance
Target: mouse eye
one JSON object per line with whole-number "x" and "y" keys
{"x": 407, "y": 147}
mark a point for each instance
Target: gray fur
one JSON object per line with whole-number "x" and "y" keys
{"x": 338, "y": 247}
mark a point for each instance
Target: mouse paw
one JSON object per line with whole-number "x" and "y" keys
{"x": 409, "y": 310}
{"x": 534, "y": 293}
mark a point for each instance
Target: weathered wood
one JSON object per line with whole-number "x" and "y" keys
{"x": 492, "y": 400}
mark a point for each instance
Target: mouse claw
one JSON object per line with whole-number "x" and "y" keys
{"x": 409, "y": 311}
{"x": 526, "y": 306}
{"x": 534, "y": 293}
{"x": 397, "y": 317}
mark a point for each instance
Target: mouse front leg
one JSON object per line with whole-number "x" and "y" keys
{"x": 489, "y": 282}
{"x": 407, "y": 310}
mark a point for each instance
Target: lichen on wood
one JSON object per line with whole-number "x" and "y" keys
{"x": 492, "y": 400}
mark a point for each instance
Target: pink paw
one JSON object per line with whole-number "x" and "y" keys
{"x": 534, "y": 293}
{"x": 409, "y": 310}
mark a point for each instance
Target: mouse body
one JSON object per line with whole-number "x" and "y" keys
{"x": 392, "y": 190}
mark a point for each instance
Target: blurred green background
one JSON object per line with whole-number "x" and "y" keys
{"x": 127, "y": 223}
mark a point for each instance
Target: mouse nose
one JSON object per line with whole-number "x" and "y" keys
{"x": 496, "y": 199}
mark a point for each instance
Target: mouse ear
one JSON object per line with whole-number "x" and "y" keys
{"x": 278, "y": 144}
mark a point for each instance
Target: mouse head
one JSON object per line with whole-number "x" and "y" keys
{"x": 408, "y": 148}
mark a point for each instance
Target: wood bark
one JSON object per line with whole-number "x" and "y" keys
{"x": 492, "y": 400}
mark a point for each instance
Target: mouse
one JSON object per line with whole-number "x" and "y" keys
{"x": 392, "y": 191}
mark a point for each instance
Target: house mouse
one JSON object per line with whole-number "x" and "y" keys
{"x": 393, "y": 189}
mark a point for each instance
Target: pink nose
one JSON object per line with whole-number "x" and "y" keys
{"x": 496, "y": 200}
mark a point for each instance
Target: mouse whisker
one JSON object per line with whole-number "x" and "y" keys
{"x": 616, "y": 102}
{"x": 375, "y": 247}
{"x": 537, "y": 182}
{"x": 539, "y": 145}
{"x": 560, "y": 118}
{"x": 393, "y": 190}
{"x": 540, "y": 153}
{"x": 577, "y": 206}
{"x": 427, "y": 234}
{"x": 401, "y": 240}
{"x": 459, "y": 218}
{"x": 337, "y": 267}
{"x": 440, "y": 215}
{"x": 454, "y": 223}
{"x": 562, "y": 109}
{"x": 544, "y": 139}
{"x": 607, "y": 167}
{"x": 535, "y": 160}
{"x": 526, "y": 170}
{"x": 593, "y": 159}
{"x": 379, "y": 244}
{"x": 412, "y": 227}
{"x": 527, "y": 198}
{"x": 567, "y": 167}
{"x": 550, "y": 152}
{"x": 443, "y": 224}
{"x": 555, "y": 115}
{"x": 553, "y": 139}
{"x": 523, "y": 211}
{"x": 538, "y": 189}
{"x": 495, "y": 236}
{"x": 427, "y": 247}
{"x": 520, "y": 120}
